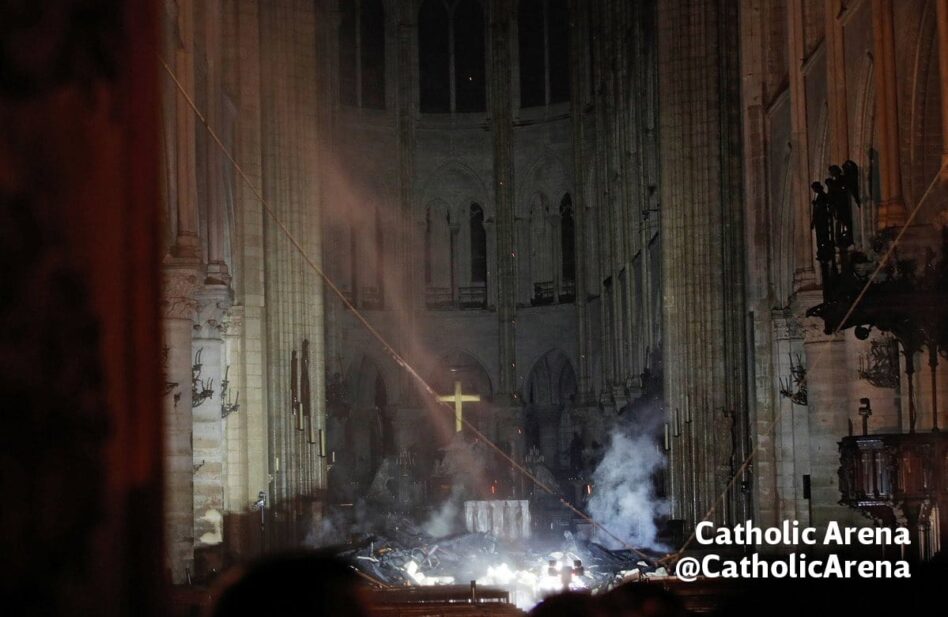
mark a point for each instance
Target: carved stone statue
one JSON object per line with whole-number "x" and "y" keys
{"x": 851, "y": 172}
{"x": 843, "y": 186}
{"x": 821, "y": 220}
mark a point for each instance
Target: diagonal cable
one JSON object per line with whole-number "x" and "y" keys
{"x": 399, "y": 360}
{"x": 816, "y": 361}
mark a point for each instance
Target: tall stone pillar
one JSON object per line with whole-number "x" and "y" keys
{"x": 502, "y": 124}
{"x": 293, "y": 294}
{"x": 411, "y": 235}
{"x": 804, "y": 272}
{"x": 836, "y": 83}
{"x": 236, "y": 458}
{"x": 892, "y": 212}
{"x": 702, "y": 251}
{"x": 217, "y": 270}
{"x": 178, "y": 312}
{"x": 941, "y": 13}
{"x": 248, "y": 450}
{"x": 578, "y": 80}
{"x": 208, "y": 427}
{"x": 187, "y": 243}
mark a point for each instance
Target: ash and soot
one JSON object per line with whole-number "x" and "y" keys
{"x": 402, "y": 554}
{"x": 444, "y": 548}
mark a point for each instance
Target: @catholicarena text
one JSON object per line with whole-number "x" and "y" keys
{"x": 793, "y": 565}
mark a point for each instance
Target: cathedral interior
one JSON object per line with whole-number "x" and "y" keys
{"x": 395, "y": 275}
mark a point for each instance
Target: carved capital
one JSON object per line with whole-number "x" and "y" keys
{"x": 212, "y": 304}
{"x": 177, "y": 293}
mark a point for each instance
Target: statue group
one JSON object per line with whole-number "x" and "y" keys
{"x": 832, "y": 213}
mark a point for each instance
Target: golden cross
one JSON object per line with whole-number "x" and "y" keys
{"x": 457, "y": 398}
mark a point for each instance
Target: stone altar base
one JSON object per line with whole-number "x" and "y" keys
{"x": 502, "y": 518}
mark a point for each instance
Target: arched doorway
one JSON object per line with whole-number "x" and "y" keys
{"x": 369, "y": 433}
{"x": 550, "y": 390}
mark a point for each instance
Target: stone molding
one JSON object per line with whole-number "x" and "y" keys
{"x": 177, "y": 292}
{"x": 213, "y": 304}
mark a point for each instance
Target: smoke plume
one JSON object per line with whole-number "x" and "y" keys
{"x": 624, "y": 499}
{"x": 464, "y": 464}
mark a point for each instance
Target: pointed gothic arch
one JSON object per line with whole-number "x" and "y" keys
{"x": 549, "y": 393}
{"x": 457, "y": 223}
{"x": 463, "y": 366}
{"x": 369, "y": 433}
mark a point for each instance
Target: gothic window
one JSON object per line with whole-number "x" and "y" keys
{"x": 470, "y": 91}
{"x": 434, "y": 57}
{"x": 478, "y": 245}
{"x": 451, "y": 54}
{"x": 567, "y": 248}
{"x": 549, "y": 392}
{"x": 558, "y": 46}
{"x": 362, "y": 54}
{"x": 543, "y": 29}
{"x": 532, "y": 52}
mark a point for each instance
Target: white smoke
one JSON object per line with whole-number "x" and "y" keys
{"x": 623, "y": 499}
{"x": 464, "y": 463}
{"x": 444, "y": 521}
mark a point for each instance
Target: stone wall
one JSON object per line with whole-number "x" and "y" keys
{"x": 240, "y": 296}
{"x": 822, "y": 84}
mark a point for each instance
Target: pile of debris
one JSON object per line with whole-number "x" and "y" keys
{"x": 529, "y": 569}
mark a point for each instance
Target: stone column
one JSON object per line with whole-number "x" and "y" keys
{"x": 892, "y": 211}
{"x": 216, "y": 214}
{"x": 178, "y": 311}
{"x": 623, "y": 200}
{"x": 941, "y": 13}
{"x": 187, "y": 244}
{"x": 411, "y": 234}
{"x": 502, "y": 125}
{"x": 804, "y": 272}
{"x": 578, "y": 81}
{"x": 248, "y": 443}
{"x": 838, "y": 116}
{"x": 702, "y": 249}
{"x": 293, "y": 295}
{"x": 790, "y": 435}
{"x": 208, "y": 427}
{"x": 235, "y": 456}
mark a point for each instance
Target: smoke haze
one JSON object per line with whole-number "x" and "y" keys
{"x": 624, "y": 499}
